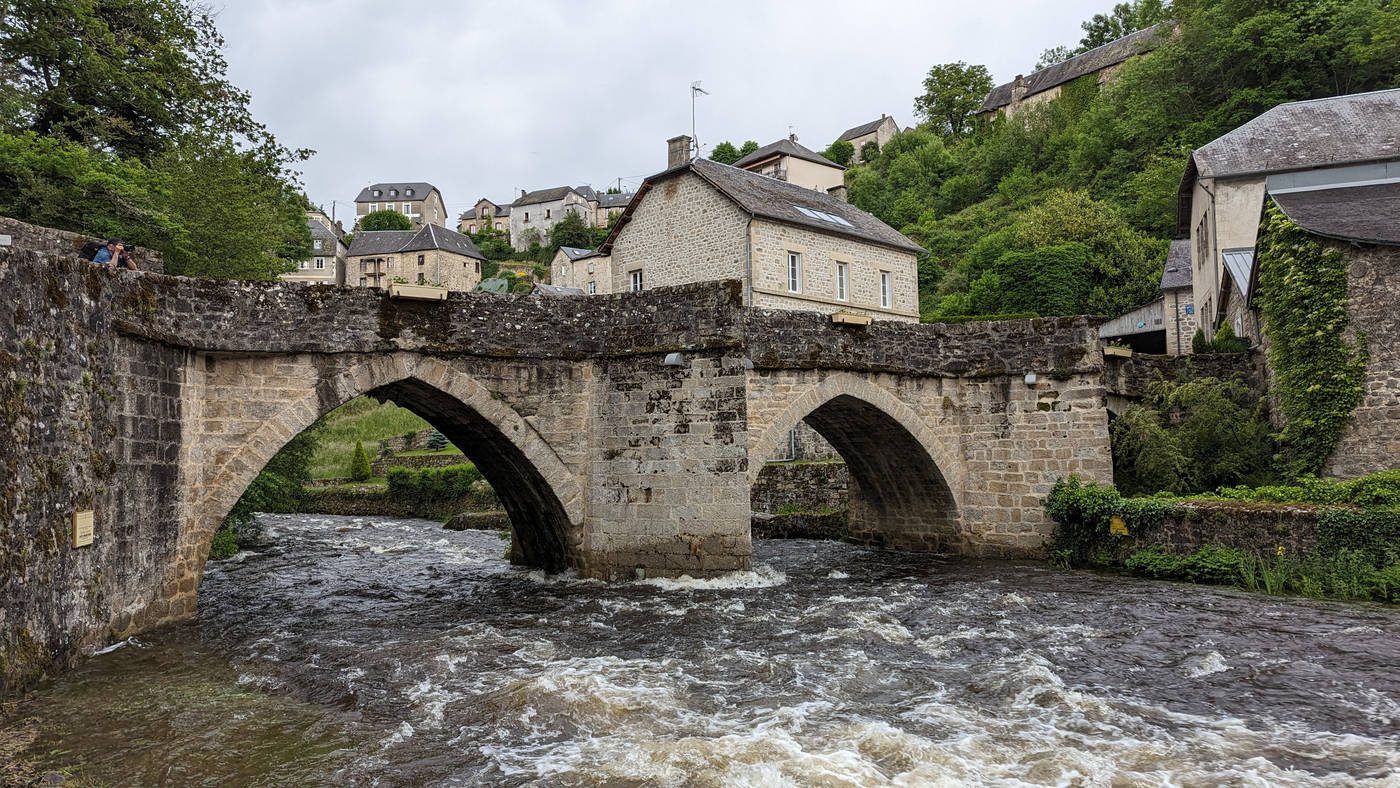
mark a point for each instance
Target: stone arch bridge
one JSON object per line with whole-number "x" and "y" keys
{"x": 153, "y": 401}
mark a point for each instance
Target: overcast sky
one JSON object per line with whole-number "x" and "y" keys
{"x": 483, "y": 99}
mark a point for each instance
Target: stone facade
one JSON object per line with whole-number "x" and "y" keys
{"x": 820, "y": 255}
{"x": 683, "y": 230}
{"x": 421, "y": 209}
{"x": 810, "y": 486}
{"x": 1371, "y": 441}
{"x": 154, "y": 401}
{"x": 46, "y": 240}
{"x": 542, "y": 216}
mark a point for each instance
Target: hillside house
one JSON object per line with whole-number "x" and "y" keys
{"x": 792, "y": 247}
{"x": 1104, "y": 62}
{"x": 584, "y": 269}
{"x": 326, "y": 265}
{"x": 876, "y": 131}
{"x": 1167, "y": 324}
{"x": 432, "y": 255}
{"x": 542, "y": 209}
{"x": 420, "y": 202}
{"x": 785, "y": 160}
{"x": 1326, "y": 145}
{"x": 483, "y": 216}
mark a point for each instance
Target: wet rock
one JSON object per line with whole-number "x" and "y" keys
{"x": 800, "y": 525}
{"x": 479, "y": 521}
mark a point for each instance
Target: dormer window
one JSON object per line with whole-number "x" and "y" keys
{"x": 393, "y": 192}
{"x": 408, "y": 192}
{"x": 378, "y": 193}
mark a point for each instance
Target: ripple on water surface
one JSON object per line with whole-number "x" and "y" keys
{"x": 378, "y": 651}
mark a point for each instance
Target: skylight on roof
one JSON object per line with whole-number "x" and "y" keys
{"x": 822, "y": 216}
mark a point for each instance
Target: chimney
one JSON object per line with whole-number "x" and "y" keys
{"x": 523, "y": 192}
{"x": 839, "y": 192}
{"x": 1019, "y": 88}
{"x": 792, "y": 137}
{"x": 677, "y": 151}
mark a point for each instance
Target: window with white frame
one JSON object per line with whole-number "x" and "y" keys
{"x": 592, "y": 288}
{"x": 843, "y": 281}
{"x": 471, "y": 228}
{"x": 794, "y": 272}
{"x": 321, "y": 263}
{"x": 374, "y": 206}
{"x": 316, "y": 245}
{"x": 301, "y": 265}
{"x": 637, "y": 280}
{"x": 498, "y": 225}
{"x": 886, "y": 290}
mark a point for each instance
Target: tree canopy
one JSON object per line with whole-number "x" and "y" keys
{"x": 118, "y": 120}
{"x": 385, "y": 220}
{"x": 953, "y": 93}
{"x": 840, "y": 152}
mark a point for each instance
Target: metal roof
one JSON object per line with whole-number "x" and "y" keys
{"x": 1240, "y": 264}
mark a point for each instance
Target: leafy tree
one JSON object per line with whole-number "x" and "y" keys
{"x": 569, "y": 231}
{"x": 748, "y": 147}
{"x": 725, "y": 153}
{"x": 613, "y": 190}
{"x": 953, "y": 93}
{"x": 840, "y": 152}
{"x": 359, "y": 463}
{"x": 869, "y": 151}
{"x": 1124, "y": 19}
{"x": 385, "y": 220}
{"x": 1054, "y": 55}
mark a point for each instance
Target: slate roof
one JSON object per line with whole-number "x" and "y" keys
{"x": 1367, "y": 214}
{"x": 1304, "y": 134}
{"x": 1110, "y": 54}
{"x": 544, "y": 195}
{"x": 588, "y": 192}
{"x": 1177, "y": 272}
{"x": 574, "y": 253}
{"x": 374, "y": 242}
{"x": 778, "y": 200}
{"x": 323, "y": 232}
{"x": 862, "y": 130}
{"x": 420, "y": 191}
{"x": 555, "y": 290}
{"x": 614, "y": 200}
{"x": 785, "y": 147}
{"x": 498, "y": 210}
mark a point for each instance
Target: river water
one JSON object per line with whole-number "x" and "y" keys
{"x": 370, "y": 651}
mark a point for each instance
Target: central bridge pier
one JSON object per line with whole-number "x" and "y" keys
{"x": 622, "y": 433}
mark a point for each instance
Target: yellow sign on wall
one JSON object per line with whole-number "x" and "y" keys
{"x": 1116, "y": 525}
{"x": 82, "y": 528}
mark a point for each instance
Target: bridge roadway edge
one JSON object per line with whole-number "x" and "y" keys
{"x": 102, "y": 408}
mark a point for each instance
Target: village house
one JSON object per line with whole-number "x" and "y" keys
{"x": 791, "y": 246}
{"x": 1167, "y": 324}
{"x": 420, "y": 202}
{"x": 485, "y": 215}
{"x": 1104, "y": 62}
{"x": 432, "y": 255}
{"x": 785, "y": 160}
{"x": 876, "y": 131}
{"x": 1330, "y": 145}
{"x": 608, "y": 205}
{"x": 540, "y": 210}
{"x": 583, "y": 269}
{"x": 326, "y": 265}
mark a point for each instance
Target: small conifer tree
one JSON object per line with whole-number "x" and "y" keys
{"x": 359, "y": 464}
{"x": 437, "y": 441}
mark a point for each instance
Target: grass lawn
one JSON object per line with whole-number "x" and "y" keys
{"x": 365, "y": 420}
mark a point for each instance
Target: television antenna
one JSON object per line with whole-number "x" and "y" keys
{"x": 695, "y": 89}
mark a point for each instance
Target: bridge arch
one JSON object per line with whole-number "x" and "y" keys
{"x": 901, "y": 493}
{"x": 542, "y": 497}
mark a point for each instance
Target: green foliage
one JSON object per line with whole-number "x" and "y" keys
{"x": 1053, "y": 280}
{"x": 385, "y": 220}
{"x": 725, "y": 153}
{"x": 119, "y": 121}
{"x": 432, "y": 491}
{"x": 359, "y": 463}
{"x": 870, "y": 151}
{"x": 1083, "y": 514}
{"x": 1126, "y": 18}
{"x": 1319, "y": 372}
{"x": 1210, "y": 564}
{"x": 225, "y": 545}
{"x": 570, "y": 231}
{"x": 840, "y": 152}
{"x": 1146, "y": 454}
{"x": 748, "y": 147}
{"x": 953, "y": 92}
{"x": 437, "y": 441}
{"x": 1225, "y": 341}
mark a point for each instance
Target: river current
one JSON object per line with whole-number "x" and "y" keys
{"x": 374, "y": 651}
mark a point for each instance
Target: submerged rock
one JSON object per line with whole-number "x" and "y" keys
{"x": 800, "y": 525}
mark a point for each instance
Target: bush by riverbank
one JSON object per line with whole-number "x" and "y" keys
{"x": 1317, "y": 538}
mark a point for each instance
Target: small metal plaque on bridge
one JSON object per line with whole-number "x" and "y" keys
{"x": 6, "y": 240}
{"x": 82, "y": 528}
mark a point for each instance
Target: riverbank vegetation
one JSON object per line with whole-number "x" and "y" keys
{"x": 1353, "y": 552}
{"x": 1081, "y": 192}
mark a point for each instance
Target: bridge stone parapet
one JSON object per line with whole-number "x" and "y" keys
{"x": 154, "y": 402}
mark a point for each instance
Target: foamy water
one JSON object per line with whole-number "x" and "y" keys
{"x": 388, "y": 652}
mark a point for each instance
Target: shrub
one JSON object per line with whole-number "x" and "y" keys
{"x": 437, "y": 441}
{"x": 869, "y": 151}
{"x": 224, "y": 545}
{"x": 430, "y": 491}
{"x": 359, "y": 464}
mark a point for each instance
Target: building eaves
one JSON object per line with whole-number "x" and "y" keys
{"x": 544, "y": 195}
{"x": 420, "y": 191}
{"x": 862, "y": 130}
{"x": 1361, "y": 214}
{"x": 785, "y": 147}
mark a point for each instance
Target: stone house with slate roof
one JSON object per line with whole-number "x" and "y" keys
{"x": 420, "y": 202}
{"x": 1300, "y": 153}
{"x": 326, "y": 266}
{"x": 542, "y": 209}
{"x": 432, "y": 255}
{"x": 1167, "y": 324}
{"x": 585, "y": 269}
{"x": 484, "y": 215}
{"x": 1042, "y": 86}
{"x": 785, "y": 160}
{"x": 876, "y": 131}
{"x": 791, "y": 247}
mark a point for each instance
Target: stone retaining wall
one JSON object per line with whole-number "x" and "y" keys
{"x": 1130, "y": 377}
{"x": 1371, "y": 440}
{"x": 415, "y": 462}
{"x": 1259, "y": 528}
{"x": 812, "y": 486}
{"x": 46, "y": 240}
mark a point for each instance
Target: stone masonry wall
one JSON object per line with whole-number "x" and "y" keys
{"x": 820, "y": 253}
{"x": 811, "y": 486}
{"x": 706, "y": 240}
{"x": 46, "y": 240}
{"x": 1371, "y": 441}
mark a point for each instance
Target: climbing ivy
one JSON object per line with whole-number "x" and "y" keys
{"x": 1318, "y": 373}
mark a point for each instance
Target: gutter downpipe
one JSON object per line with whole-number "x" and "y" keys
{"x": 1214, "y": 262}
{"x": 748, "y": 262}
